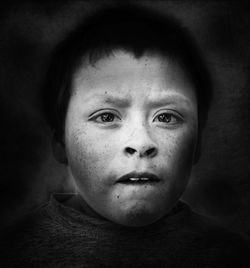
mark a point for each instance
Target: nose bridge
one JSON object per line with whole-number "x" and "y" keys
{"x": 140, "y": 139}
{"x": 140, "y": 131}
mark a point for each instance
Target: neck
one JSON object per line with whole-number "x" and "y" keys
{"x": 78, "y": 203}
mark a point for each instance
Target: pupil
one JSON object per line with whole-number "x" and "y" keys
{"x": 165, "y": 118}
{"x": 107, "y": 117}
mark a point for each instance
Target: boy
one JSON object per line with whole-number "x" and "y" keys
{"x": 127, "y": 96}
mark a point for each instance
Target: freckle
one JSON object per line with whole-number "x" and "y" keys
{"x": 118, "y": 196}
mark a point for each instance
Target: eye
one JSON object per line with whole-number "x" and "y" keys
{"x": 167, "y": 118}
{"x": 105, "y": 118}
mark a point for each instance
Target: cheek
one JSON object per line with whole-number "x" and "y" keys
{"x": 178, "y": 150}
{"x": 88, "y": 155}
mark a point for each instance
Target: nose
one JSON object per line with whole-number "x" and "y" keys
{"x": 151, "y": 152}
{"x": 141, "y": 144}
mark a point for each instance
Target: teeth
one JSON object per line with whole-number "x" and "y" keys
{"x": 134, "y": 179}
{"x": 138, "y": 179}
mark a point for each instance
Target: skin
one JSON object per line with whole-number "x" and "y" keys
{"x": 124, "y": 115}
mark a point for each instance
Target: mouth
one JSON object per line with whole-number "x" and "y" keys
{"x": 138, "y": 178}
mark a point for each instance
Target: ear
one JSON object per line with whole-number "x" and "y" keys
{"x": 59, "y": 151}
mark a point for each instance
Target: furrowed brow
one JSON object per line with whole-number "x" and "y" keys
{"x": 108, "y": 99}
{"x": 168, "y": 100}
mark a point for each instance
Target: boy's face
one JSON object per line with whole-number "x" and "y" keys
{"x": 130, "y": 135}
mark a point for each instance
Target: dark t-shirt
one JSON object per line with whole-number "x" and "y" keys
{"x": 58, "y": 236}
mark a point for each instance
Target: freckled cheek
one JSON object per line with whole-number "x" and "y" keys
{"x": 89, "y": 157}
{"x": 178, "y": 149}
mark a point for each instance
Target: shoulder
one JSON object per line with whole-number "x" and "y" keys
{"x": 221, "y": 244}
{"x": 34, "y": 235}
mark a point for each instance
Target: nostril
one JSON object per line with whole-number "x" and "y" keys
{"x": 150, "y": 152}
{"x": 130, "y": 150}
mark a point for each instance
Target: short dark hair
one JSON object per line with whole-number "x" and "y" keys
{"x": 130, "y": 28}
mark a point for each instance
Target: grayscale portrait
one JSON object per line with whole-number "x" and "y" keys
{"x": 125, "y": 134}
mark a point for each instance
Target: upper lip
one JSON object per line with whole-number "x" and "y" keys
{"x": 151, "y": 176}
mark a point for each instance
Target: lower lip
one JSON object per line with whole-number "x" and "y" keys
{"x": 135, "y": 188}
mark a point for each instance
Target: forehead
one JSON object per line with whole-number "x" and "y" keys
{"x": 120, "y": 73}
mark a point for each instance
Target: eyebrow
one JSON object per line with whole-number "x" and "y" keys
{"x": 107, "y": 99}
{"x": 152, "y": 103}
{"x": 169, "y": 99}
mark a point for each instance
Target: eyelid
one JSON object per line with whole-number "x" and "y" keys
{"x": 169, "y": 111}
{"x": 104, "y": 111}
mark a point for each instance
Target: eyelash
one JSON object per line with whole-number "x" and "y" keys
{"x": 102, "y": 115}
{"x": 106, "y": 115}
{"x": 171, "y": 116}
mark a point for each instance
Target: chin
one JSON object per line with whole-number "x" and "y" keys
{"x": 139, "y": 217}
